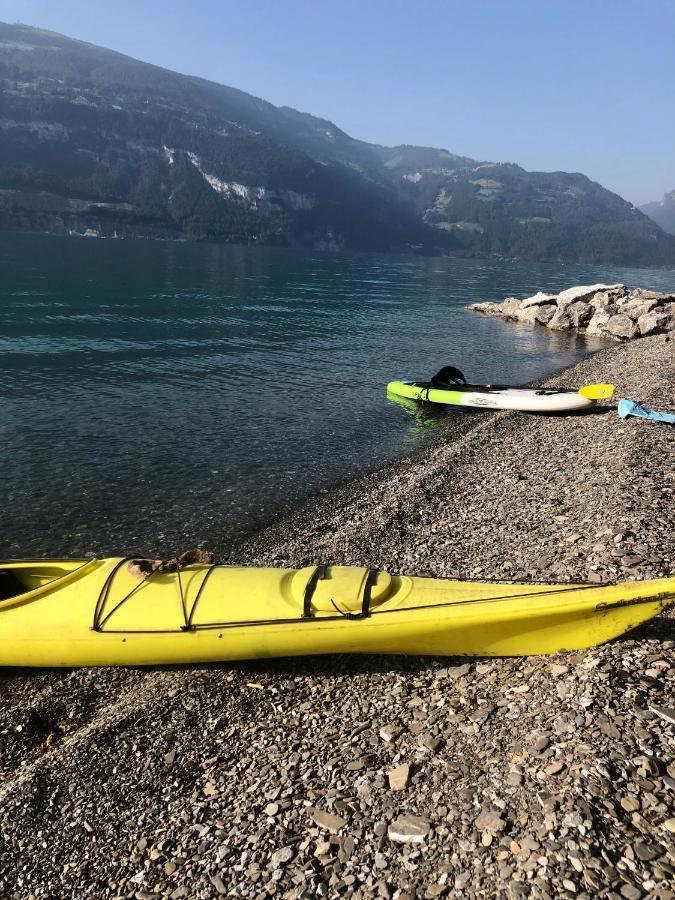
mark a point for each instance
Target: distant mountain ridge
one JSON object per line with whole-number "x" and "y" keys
{"x": 662, "y": 212}
{"x": 95, "y": 142}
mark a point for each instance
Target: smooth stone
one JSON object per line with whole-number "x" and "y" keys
{"x": 389, "y": 733}
{"x": 409, "y": 829}
{"x": 458, "y": 671}
{"x": 282, "y": 856}
{"x": 327, "y": 820}
{"x": 398, "y": 777}
{"x": 490, "y": 820}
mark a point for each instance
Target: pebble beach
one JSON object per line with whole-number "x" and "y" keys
{"x": 391, "y": 777}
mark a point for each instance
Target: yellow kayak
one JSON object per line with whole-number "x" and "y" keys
{"x": 91, "y": 613}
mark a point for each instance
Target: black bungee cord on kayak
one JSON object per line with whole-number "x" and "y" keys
{"x": 307, "y": 615}
{"x": 145, "y": 569}
{"x": 371, "y": 578}
{"x": 317, "y": 575}
{"x": 365, "y": 613}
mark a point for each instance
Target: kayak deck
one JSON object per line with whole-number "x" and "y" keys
{"x": 96, "y": 613}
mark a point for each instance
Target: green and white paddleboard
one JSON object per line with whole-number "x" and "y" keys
{"x": 502, "y": 396}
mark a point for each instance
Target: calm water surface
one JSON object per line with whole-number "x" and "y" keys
{"x": 156, "y": 395}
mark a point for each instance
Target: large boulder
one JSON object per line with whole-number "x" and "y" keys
{"x": 607, "y": 299}
{"x": 560, "y": 321}
{"x": 584, "y": 292}
{"x": 621, "y": 326}
{"x": 669, "y": 310}
{"x": 653, "y": 323}
{"x": 637, "y": 306}
{"x": 535, "y": 315}
{"x": 544, "y": 314}
{"x": 509, "y": 307}
{"x": 527, "y": 316}
{"x": 598, "y": 323}
{"x": 538, "y": 299}
{"x": 580, "y": 313}
{"x": 644, "y": 294}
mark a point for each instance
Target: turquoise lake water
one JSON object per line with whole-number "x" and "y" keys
{"x": 156, "y": 395}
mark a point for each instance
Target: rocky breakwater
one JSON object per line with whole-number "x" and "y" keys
{"x": 610, "y": 310}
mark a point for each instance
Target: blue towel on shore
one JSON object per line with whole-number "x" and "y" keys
{"x": 631, "y": 408}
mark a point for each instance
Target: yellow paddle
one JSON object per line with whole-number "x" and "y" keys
{"x": 597, "y": 391}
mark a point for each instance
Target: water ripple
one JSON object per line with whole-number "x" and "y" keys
{"x": 189, "y": 391}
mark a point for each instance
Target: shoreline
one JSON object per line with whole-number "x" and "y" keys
{"x": 466, "y": 421}
{"x": 523, "y": 777}
{"x": 307, "y": 524}
{"x": 436, "y": 253}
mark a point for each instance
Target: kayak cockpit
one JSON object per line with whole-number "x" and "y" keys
{"x": 18, "y": 577}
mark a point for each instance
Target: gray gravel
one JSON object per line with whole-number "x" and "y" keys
{"x": 389, "y": 777}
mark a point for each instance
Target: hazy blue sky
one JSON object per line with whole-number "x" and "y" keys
{"x": 578, "y": 85}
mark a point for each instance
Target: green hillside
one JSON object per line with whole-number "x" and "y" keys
{"x": 92, "y": 141}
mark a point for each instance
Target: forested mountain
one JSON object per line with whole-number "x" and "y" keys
{"x": 662, "y": 212}
{"x": 95, "y": 142}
